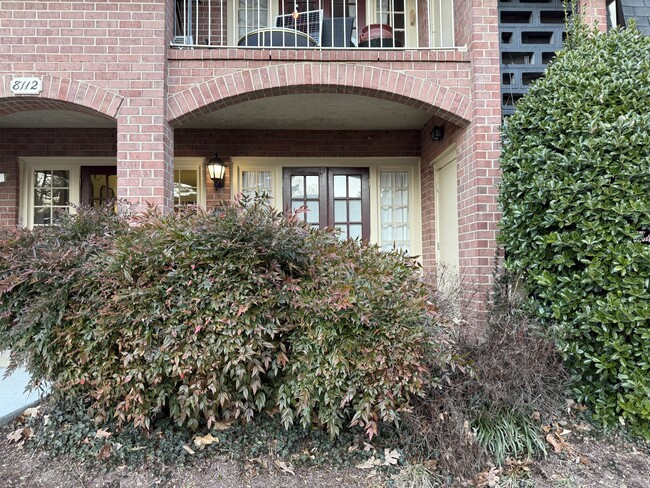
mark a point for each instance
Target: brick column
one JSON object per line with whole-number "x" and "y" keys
{"x": 145, "y": 141}
{"x": 478, "y": 150}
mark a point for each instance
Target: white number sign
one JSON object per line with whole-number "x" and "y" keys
{"x": 26, "y": 86}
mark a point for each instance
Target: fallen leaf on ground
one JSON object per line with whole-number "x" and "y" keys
{"x": 488, "y": 477}
{"x": 205, "y": 440}
{"x": 391, "y": 457}
{"x": 188, "y": 449}
{"x": 370, "y": 463}
{"x": 221, "y": 426}
{"x": 15, "y": 436}
{"x": 31, "y": 412}
{"x": 104, "y": 452}
{"x": 285, "y": 467}
{"x": 556, "y": 441}
{"x": 102, "y": 434}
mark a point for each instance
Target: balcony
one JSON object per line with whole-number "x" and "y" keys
{"x": 314, "y": 24}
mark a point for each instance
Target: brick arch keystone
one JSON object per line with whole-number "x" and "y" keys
{"x": 61, "y": 94}
{"x": 287, "y": 79}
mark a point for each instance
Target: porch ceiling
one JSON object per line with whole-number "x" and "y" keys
{"x": 38, "y": 119}
{"x": 317, "y": 111}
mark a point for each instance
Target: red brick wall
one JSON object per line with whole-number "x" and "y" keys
{"x": 8, "y": 192}
{"x": 448, "y": 68}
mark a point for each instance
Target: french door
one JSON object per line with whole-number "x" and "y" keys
{"x": 330, "y": 197}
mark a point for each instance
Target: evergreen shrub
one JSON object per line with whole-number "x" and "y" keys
{"x": 576, "y": 199}
{"x": 203, "y": 317}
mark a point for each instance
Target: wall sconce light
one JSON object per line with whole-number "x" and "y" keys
{"x": 437, "y": 133}
{"x": 217, "y": 171}
{"x": 2, "y": 178}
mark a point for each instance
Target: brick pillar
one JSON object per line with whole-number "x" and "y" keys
{"x": 145, "y": 167}
{"x": 478, "y": 151}
{"x": 145, "y": 141}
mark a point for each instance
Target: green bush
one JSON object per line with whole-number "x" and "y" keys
{"x": 576, "y": 197}
{"x": 201, "y": 317}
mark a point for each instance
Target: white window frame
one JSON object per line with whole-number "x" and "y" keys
{"x": 197, "y": 164}
{"x": 374, "y": 165}
{"x": 73, "y": 164}
{"x": 233, "y": 19}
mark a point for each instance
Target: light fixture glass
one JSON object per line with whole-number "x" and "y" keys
{"x": 217, "y": 171}
{"x": 437, "y": 133}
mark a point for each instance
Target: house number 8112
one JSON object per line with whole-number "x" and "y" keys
{"x": 26, "y": 86}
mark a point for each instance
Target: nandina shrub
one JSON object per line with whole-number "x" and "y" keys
{"x": 39, "y": 269}
{"x": 576, "y": 200}
{"x": 203, "y": 316}
{"x": 360, "y": 344}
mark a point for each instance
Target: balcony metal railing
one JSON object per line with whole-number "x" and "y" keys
{"x": 314, "y": 24}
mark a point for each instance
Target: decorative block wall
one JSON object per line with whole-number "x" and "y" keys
{"x": 529, "y": 32}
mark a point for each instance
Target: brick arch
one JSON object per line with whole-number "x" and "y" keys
{"x": 61, "y": 94}
{"x": 224, "y": 91}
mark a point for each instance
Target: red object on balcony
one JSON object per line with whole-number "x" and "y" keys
{"x": 376, "y": 31}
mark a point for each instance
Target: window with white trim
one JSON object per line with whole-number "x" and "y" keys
{"x": 51, "y": 195}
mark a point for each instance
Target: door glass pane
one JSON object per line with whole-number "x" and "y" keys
{"x": 297, "y": 187}
{"x": 354, "y": 231}
{"x": 312, "y": 190}
{"x": 340, "y": 186}
{"x": 394, "y": 210}
{"x": 297, "y": 204}
{"x": 340, "y": 211}
{"x": 355, "y": 210}
{"x": 313, "y": 212}
{"x": 354, "y": 186}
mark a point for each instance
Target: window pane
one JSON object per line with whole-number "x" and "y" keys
{"x": 42, "y": 216}
{"x": 186, "y": 187}
{"x": 60, "y": 179}
{"x": 42, "y": 197}
{"x": 256, "y": 182}
{"x": 60, "y": 197}
{"x": 51, "y": 195}
{"x": 42, "y": 179}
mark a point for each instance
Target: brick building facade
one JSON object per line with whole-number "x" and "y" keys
{"x": 131, "y": 97}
